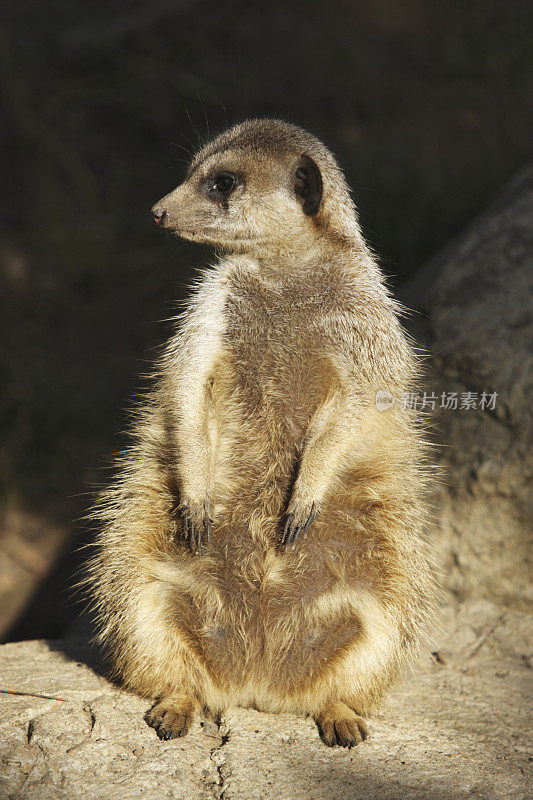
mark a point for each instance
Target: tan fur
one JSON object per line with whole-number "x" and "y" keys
{"x": 264, "y": 406}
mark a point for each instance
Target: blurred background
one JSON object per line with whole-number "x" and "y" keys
{"x": 427, "y": 105}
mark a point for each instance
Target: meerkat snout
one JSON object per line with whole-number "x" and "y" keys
{"x": 159, "y": 215}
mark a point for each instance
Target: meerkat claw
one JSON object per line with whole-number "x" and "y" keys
{"x": 193, "y": 525}
{"x": 293, "y": 535}
{"x": 186, "y": 527}
{"x": 286, "y": 530}
{"x": 295, "y": 528}
{"x": 207, "y": 526}
{"x": 310, "y": 519}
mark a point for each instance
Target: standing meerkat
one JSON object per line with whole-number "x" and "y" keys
{"x": 262, "y": 545}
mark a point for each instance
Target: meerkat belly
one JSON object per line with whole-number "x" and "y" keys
{"x": 266, "y": 622}
{"x": 262, "y": 612}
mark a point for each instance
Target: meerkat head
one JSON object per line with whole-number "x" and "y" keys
{"x": 263, "y": 186}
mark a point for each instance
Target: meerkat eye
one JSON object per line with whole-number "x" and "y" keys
{"x": 222, "y": 185}
{"x": 225, "y": 181}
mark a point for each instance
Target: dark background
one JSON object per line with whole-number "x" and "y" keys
{"x": 428, "y": 106}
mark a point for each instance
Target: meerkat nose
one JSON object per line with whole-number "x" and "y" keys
{"x": 159, "y": 215}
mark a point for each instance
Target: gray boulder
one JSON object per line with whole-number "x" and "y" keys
{"x": 476, "y": 300}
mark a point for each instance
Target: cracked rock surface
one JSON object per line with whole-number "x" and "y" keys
{"x": 458, "y": 727}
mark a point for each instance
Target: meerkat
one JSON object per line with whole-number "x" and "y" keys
{"x": 263, "y": 544}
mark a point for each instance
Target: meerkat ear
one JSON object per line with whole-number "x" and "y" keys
{"x": 308, "y": 185}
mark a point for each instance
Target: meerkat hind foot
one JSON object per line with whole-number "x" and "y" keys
{"x": 172, "y": 716}
{"x": 216, "y": 717}
{"x": 339, "y": 725}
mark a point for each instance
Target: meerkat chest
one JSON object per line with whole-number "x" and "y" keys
{"x": 276, "y": 344}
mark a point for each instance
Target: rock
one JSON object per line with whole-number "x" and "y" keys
{"x": 67, "y": 732}
{"x": 457, "y": 728}
{"x": 476, "y": 298}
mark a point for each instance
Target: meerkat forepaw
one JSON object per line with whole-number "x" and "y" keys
{"x": 197, "y": 523}
{"x": 297, "y": 522}
{"x": 338, "y": 724}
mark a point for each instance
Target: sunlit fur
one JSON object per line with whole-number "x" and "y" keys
{"x": 265, "y": 402}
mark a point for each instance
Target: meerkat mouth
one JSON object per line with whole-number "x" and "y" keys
{"x": 212, "y": 238}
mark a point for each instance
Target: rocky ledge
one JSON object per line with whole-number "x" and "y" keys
{"x": 455, "y": 728}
